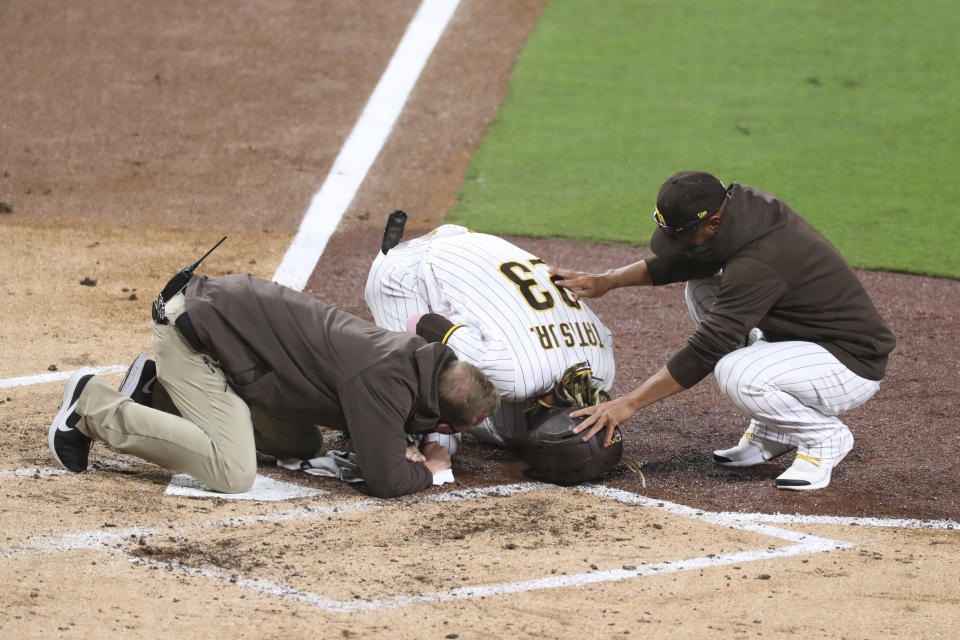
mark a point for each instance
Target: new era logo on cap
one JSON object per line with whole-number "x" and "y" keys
{"x": 684, "y": 201}
{"x": 687, "y": 197}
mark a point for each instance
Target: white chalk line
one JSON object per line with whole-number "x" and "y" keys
{"x": 40, "y": 472}
{"x": 331, "y": 605}
{"x": 350, "y": 168}
{"x": 364, "y": 143}
{"x": 851, "y": 521}
{"x": 47, "y": 472}
{"x": 42, "y": 378}
{"x": 720, "y": 517}
{"x": 101, "y": 539}
{"x": 742, "y": 519}
{"x": 114, "y": 543}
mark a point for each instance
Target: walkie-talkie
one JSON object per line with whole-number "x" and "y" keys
{"x": 393, "y": 232}
{"x": 176, "y": 284}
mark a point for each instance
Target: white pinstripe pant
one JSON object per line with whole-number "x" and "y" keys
{"x": 792, "y": 391}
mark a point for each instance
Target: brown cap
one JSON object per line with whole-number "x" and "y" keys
{"x": 685, "y": 200}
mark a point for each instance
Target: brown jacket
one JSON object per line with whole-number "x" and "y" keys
{"x": 781, "y": 275}
{"x": 308, "y": 362}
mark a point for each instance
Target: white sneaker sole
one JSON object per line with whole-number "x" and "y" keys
{"x": 132, "y": 379}
{"x": 756, "y": 456}
{"x": 820, "y": 484}
{"x": 806, "y": 487}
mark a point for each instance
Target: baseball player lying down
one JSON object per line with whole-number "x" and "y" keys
{"x": 505, "y": 315}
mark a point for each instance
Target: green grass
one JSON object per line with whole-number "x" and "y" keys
{"x": 846, "y": 110}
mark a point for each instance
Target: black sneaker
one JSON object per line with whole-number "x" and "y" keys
{"x": 70, "y": 447}
{"x": 139, "y": 381}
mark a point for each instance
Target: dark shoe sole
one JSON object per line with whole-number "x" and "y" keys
{"x": 802, "y": 485}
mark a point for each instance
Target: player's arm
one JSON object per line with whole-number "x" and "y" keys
{"x": 609, "y": 414}
{"x": 432, "y": 327}
{"x": 594, "y": 285}
{"x": 467, "y": 342}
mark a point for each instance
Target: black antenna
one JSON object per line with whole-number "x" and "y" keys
{"x": 182, "y": 277}
{"x": 202, "y": 258}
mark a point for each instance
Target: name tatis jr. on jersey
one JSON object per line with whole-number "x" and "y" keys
{"x": 567, "y": 334}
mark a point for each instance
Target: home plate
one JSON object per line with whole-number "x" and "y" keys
{"x": 266, "y": 489}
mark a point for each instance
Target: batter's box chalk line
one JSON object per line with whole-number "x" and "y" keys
{"x": 111, "y": 542}
{"x": 46, "y": 472}
{"x": 43, "y": 378}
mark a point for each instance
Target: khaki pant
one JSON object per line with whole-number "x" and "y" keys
{"x": 200, "y": 426}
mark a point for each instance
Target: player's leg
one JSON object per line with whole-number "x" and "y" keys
{"x": 796, "y": 390}
{"x": 212, "y": 441}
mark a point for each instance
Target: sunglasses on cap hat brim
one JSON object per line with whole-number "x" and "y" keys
{"x": 674, "y": 232}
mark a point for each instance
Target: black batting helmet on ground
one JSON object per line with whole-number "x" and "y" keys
{"x": 556, "y": 454}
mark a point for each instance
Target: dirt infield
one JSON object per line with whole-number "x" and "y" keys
{"x": 133, "y": 137}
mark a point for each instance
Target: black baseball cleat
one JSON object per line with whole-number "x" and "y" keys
{"x": 70, "y": 447}
{"x": 139, "y": 381}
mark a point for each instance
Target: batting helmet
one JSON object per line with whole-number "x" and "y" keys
{"x": 556, "y": 454}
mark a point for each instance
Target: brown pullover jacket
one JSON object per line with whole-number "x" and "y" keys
{"x": 781, "y": 275}
{"x": 311, "y": 363}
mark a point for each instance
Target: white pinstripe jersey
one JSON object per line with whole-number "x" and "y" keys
{"x": 518, "y": 327}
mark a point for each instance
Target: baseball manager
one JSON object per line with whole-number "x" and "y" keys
{"x": 788, "y": 330}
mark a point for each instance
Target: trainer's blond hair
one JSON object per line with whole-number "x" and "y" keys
{"x": 464, "y": 392}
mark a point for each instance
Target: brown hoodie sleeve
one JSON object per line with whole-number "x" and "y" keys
{"x": 375, "y": 415}
{"x": 747, "y": 291}
{"x": 678, "y": 268}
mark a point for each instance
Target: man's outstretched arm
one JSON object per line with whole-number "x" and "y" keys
{"x": 594, "y": 285}
{"x": 609, "y": 414}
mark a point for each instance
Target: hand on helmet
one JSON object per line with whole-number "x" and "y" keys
{"x": 603, "y": 416}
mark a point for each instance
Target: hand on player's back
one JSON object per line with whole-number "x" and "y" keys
{"x": 581, "y": 284}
